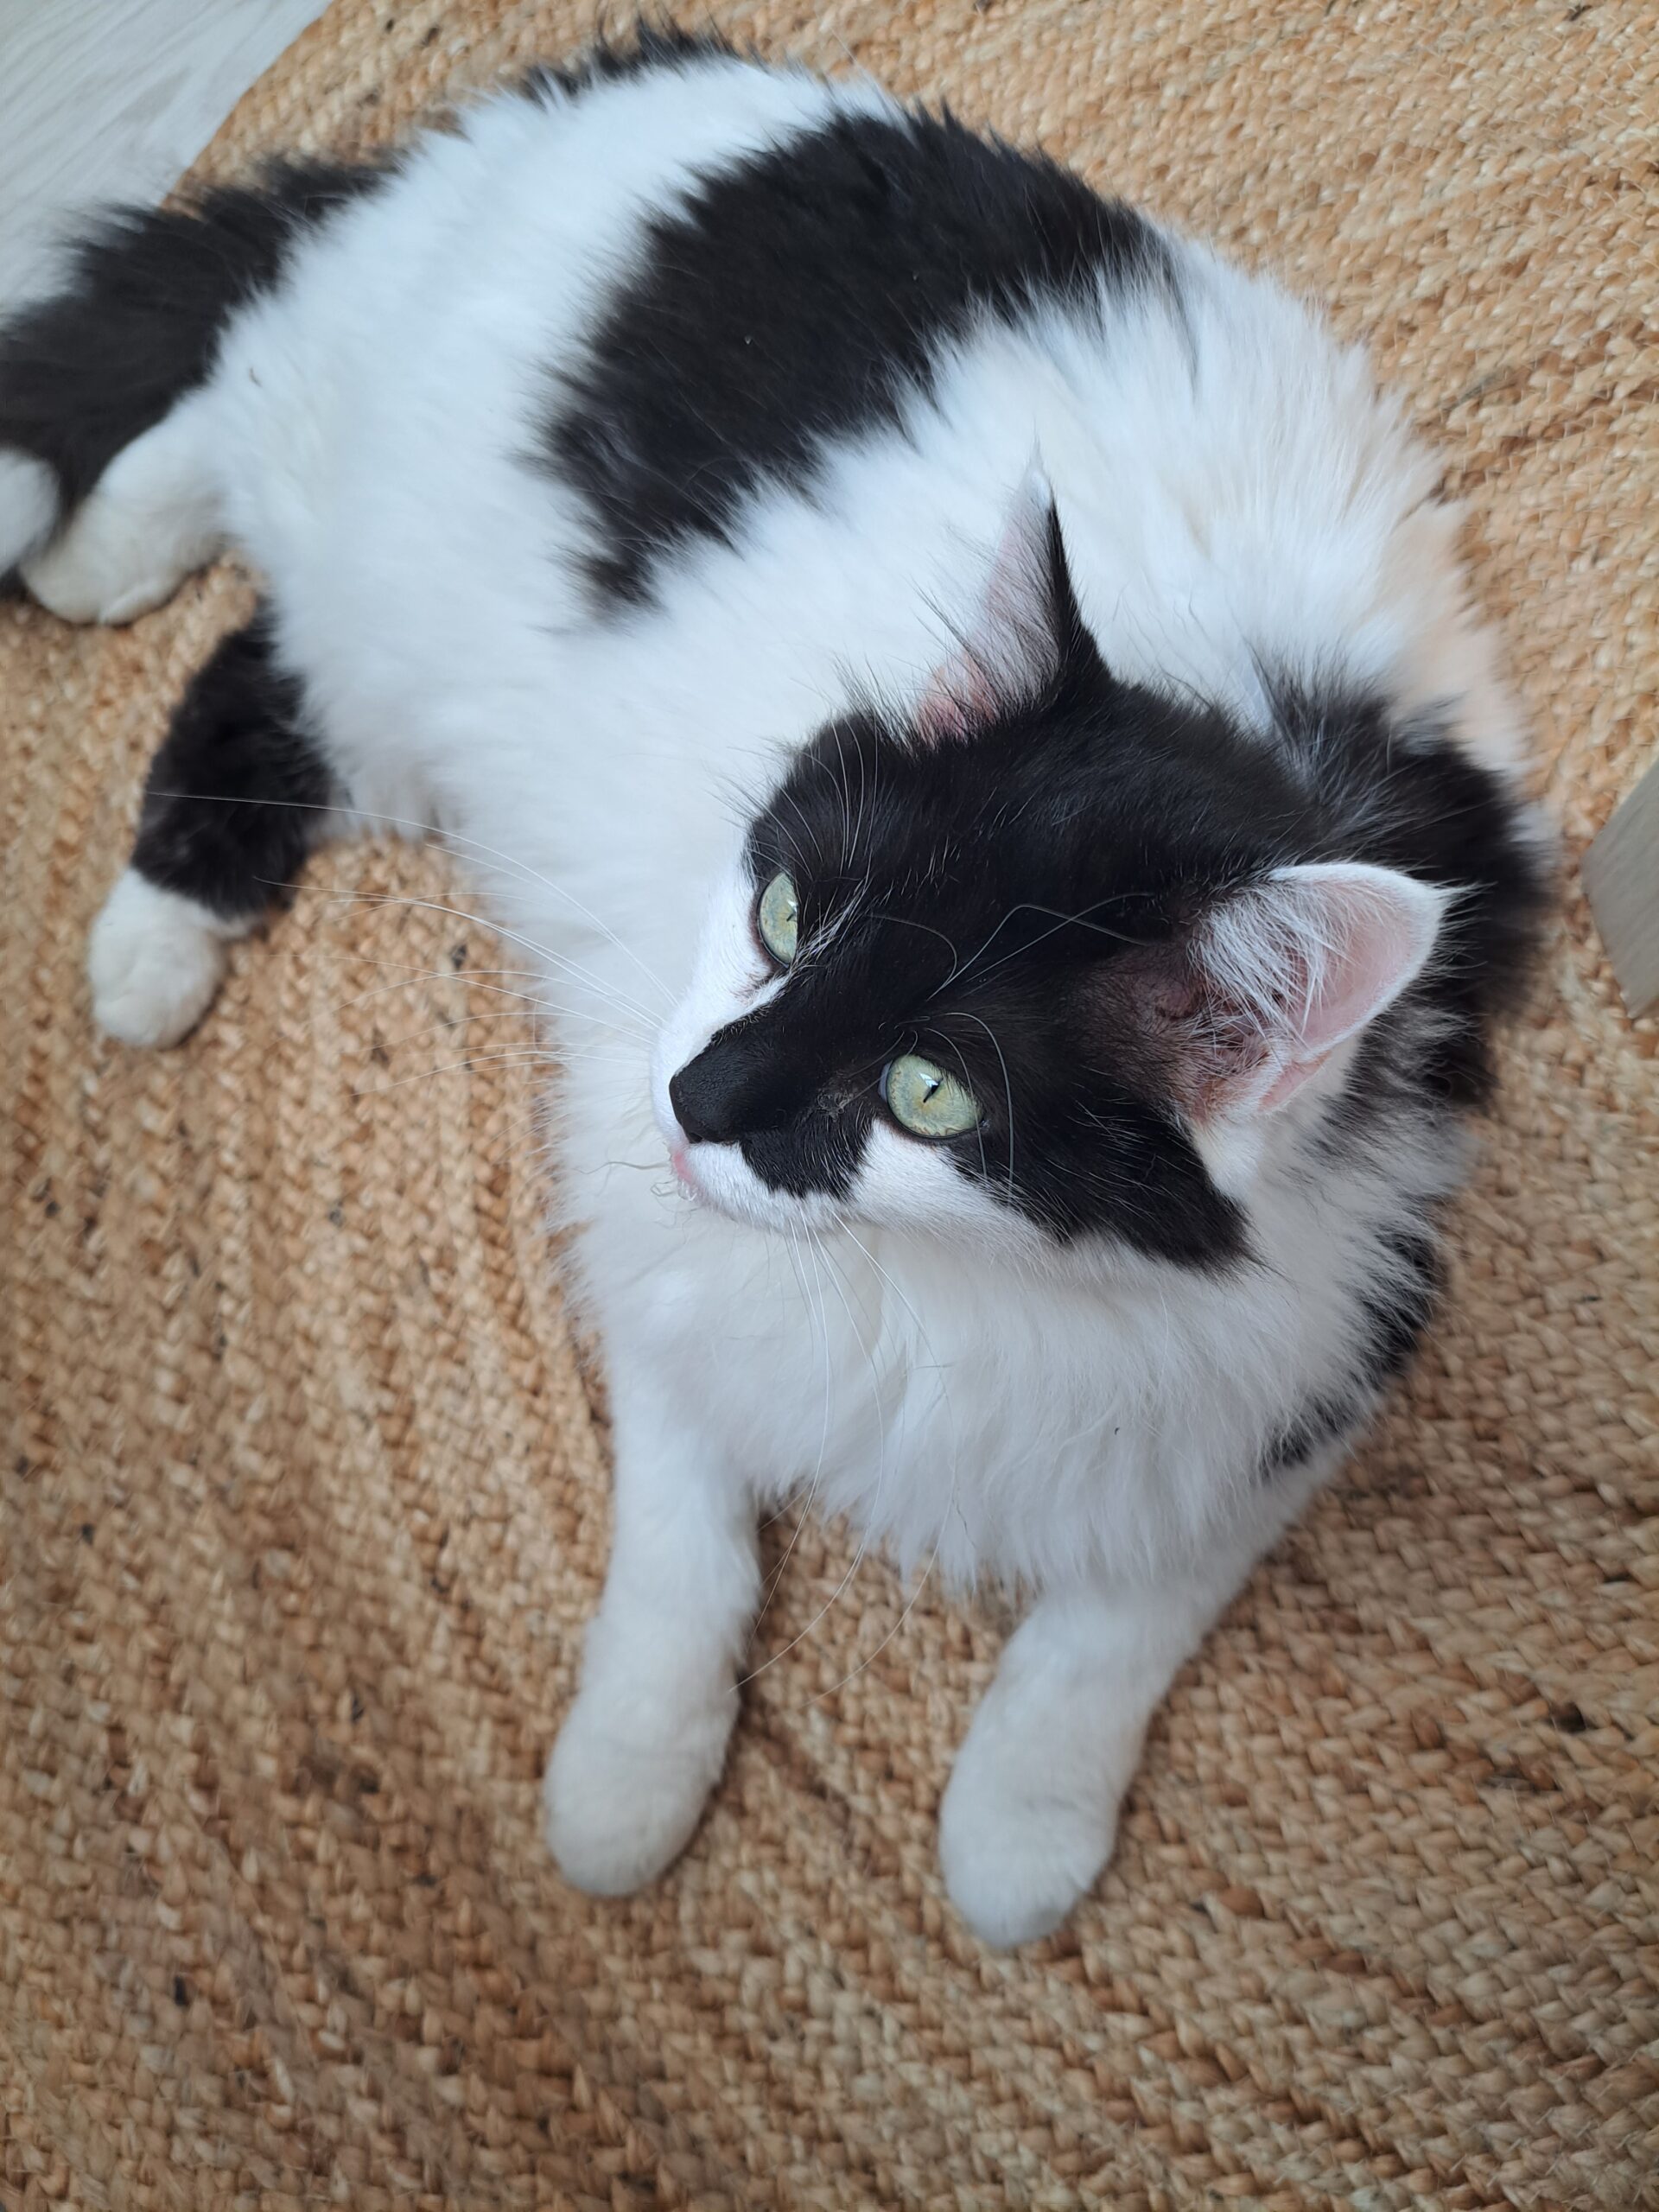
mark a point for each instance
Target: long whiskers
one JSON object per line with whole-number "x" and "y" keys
{"x": 514, "y": 1055}
{"x": 574, "y": 971}
{"x": 527, "y": 1001}
{"x": 1079, "y": 920}
{"x": 448, "y": 837}
{"x": 1008, "y": 1092}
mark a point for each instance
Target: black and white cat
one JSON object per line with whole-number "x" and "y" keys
{"x": 1062, "y": 1054}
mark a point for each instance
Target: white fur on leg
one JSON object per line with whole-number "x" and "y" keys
{"x": 150, "y": 519}
{"x": 1025, "y": 1829}
{"x": 154, "y": 962}
{"x": 644, "y": 1743}
{"x": 1030, "y": 1816}
{"x": 627, "y": 1785}
{"x": 29, "y": 505}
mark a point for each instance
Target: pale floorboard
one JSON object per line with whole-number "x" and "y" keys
{"x": 111, "y": 100}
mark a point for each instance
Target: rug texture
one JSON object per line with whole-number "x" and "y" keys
{"x": 303, "y": 1499}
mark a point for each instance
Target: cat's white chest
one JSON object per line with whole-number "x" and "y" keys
{"x": 974, "y": 1428}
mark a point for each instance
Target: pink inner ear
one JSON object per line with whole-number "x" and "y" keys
{"x": 960, "y": 694}
{"x": 1308, "y": 959}
{"x": 1010, "y": 650}
{"x": 1380, "y": 942}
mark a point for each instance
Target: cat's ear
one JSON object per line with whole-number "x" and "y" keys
{"x": 1022, "y": 630}
{"x": 1278, "y": 975}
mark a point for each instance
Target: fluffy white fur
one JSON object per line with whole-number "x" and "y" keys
{"x": 1086, "y": 1426}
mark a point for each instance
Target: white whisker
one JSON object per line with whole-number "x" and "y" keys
{"x": 518, "y": 1055}
{"x": 571, "y": 969}
{"x": 447, "y": 837}
{"x": 1008, "y": 1092}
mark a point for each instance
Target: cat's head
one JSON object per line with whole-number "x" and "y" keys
{"x": 1039, "y": 962}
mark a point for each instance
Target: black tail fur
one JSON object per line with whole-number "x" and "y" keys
{"x": 136, "y": 324}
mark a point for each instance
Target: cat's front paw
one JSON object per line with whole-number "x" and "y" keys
{"x": 1018, "y": 1848}
{"x": 155, "y": 963}
{"x": 622, "y": 1795}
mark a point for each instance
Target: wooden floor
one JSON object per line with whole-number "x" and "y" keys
{"x": 110, "y": 99}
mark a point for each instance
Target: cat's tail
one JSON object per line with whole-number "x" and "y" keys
{"x": 132, "y": 329}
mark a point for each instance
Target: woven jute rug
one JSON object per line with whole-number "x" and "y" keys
{"x": 304, "y": 1496}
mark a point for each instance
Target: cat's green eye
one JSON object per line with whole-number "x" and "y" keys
{"x": 777, "y": 918}
{"x": 927, "y": 1099}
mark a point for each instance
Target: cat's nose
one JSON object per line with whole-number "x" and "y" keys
{"x": 729, "y": 1090}
{"x": 702, "y": 1103}
{"x": 691, "y": 1108}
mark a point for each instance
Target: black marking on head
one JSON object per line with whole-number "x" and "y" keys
{"x": 1017, "y": 902}
{"x": 799, "y": 298}
{"x": 962, "y": 900}
{"x": 94, "y": 366}
{"x": 236, "y": 794}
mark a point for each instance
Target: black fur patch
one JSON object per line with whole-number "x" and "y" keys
{"x": 798, "y": 299}
{"x": 85, "y": 371}
{"x": 746, "y": 1087}
{"x": 1397, "y": 1314}
{"x": 1321, "y": 1421}
{"x": 235, "y": 797}
{"x": 1116, "y": 811}
{"x": 1403, "y": 796}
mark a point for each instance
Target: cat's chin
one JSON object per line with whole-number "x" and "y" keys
{"x": 718, "y": 1179}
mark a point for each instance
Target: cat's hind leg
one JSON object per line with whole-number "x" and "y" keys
{"x": 238, "y": 795}
{"x": 150, "y": 519}
{"x": 108, "y": 494}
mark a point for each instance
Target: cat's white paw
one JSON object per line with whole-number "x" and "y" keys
{"x": 110, "y": 565}
{"x": 622, "y": 1799}
{"x": 1018, "y": 1848}
{"x": 154, "y": 962}
{"x": 78, "y": 585}
{"x": 146, "y": 524}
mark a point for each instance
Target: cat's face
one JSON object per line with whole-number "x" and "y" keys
{"x": 1028, "y": 966}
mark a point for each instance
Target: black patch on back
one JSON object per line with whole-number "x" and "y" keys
{"x": 85, "y": 371}
{"x": 799, "y": 298}
{"x": 236, "y": 795}
{"x": 1397, "y": 1313}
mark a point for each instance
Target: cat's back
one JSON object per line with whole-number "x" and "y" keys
{"x": 426, "y": 329}
{"x": 761, "y": 356}
{"x": 570, "y": 348}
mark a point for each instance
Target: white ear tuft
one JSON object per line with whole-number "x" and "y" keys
{"x": 1294, "y": 966}
{"x": 1012, "y": 649}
